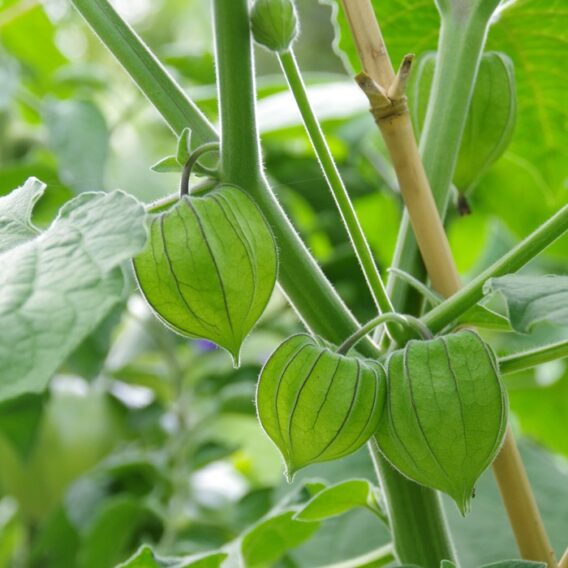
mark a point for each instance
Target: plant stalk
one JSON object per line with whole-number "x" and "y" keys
{"x": 462, "y": 39}
{"x": 335, "y": 182}
{"x": 406, "y": 321}
{"x": 521, "y": 254}
{"x": 529, "y": 359}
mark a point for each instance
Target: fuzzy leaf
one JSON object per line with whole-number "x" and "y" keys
{"x": 491, "y": 118}
{"x": 184, "y": 147}
{"x": 317, "y": 405}
{"x": 338, "y": 499}
{"x": 210, "y": 267}
{"x": 56, "y": 288}
{"x": 167, "y": 165}
{"x": 446, "y": 413}
{"x": 16, "y": 213}
{"x": 533, "y": 299}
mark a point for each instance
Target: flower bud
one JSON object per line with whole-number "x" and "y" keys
{"x": 274, "y": 24}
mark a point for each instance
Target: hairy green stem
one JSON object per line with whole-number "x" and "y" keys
{"x": 177, "y": 109}
{"x": 406, "y": 321}
{"x": 529, "y": 359}
{"x": 462, "y": 38}
{"x": 336, "y": 185}
{"x": 521, "y": 254}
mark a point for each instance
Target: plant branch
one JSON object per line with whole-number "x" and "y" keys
{"x": 407, "y": 321}
{"x": 336, "y": 185}
{"x": 463, "y": 33}
{"x": 177, "y": 109}
{"x": 529, "y": 359}
{"x": 515, "y": 259}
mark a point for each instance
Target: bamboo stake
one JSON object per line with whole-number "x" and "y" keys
{"x": 385, "y": 91}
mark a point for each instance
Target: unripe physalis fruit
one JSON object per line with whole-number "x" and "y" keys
{"x": 274, "y": 24}
{"x": 210, "y": 266}
{"x": 491, "y": 117}
{"x": 317, "y": 405}
{"x": 446, "y": 413}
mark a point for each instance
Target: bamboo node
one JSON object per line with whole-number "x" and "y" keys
{"x": 383, "y": 106}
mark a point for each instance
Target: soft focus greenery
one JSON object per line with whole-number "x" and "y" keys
{"x": 144, "y": 437}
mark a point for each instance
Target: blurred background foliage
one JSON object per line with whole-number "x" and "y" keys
{"x": 145, "y": 437}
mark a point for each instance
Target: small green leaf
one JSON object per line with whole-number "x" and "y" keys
{"x": 167, "y": 165}
{"x": 65, "y": 281}
{"x": 480, "y": 316}
{"x": 146, "y": 558}
{"x": 265, "y": 543}
{"x": 210, "y": 267}
{"x": 16, "y": 213}
{"x": 317, "y": 405}
{"x": 446, "y": 413}
{"x": 338, "y": 499}
{"x": 491, "y": 118}
{"x": 183, "y": 147}
{"x": 533, "y": 299}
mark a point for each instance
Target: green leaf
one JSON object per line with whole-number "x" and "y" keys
{"x": 79, "y": 136}
{"x": 317, "y": 405}
{"x": 272, "y": 537}
{"x": 167, "y": 165}
{"x": 542, "y": 412}
{"x": 183, "y": 147}
{"x": 116, "y": 526}
{"x": 480, "y": 316}
{"x": 16, "y": 213}
{"x": 23, "y": 30}
{"x": 446, "y": 413}
{"x": 146, "y": 558}
{"x": 533, "y": 299}
{"x": 338, "y": 499}
{"x": 210, "y": 267}
{"x": 491, "y": 117}
{"x": 55, "y": 289}
{"x": 408, "y": 27}
{"x": 538, "y": 53}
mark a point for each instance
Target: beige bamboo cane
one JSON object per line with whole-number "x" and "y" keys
{"x": 386, "y": 93}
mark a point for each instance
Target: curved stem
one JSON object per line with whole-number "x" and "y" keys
{"x": 335, "y": 182}
{"x": 192, "y": 160}
{"x": 408, "y": 321}
{"x": 528, "y": 359}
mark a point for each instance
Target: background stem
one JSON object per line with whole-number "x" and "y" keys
{"x": 521, "y": 254}
{"x": 528, "y": 359}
